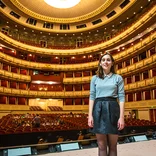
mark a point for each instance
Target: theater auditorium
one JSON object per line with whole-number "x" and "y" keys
{"x": 49, "y": 51}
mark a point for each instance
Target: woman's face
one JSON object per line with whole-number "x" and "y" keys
{"x": 106, "y": 63}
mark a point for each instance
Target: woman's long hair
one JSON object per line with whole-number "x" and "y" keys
{"x": 99, "y": 72}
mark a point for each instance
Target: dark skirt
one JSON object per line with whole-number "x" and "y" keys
{"x": 106, "y": 112}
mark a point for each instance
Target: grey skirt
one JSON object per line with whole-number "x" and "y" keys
{"x": 106, "y": 112}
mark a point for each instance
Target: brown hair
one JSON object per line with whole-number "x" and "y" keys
{"x": 99, "y": 72}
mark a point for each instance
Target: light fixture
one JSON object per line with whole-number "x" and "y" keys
{"x": 62, "y": 4}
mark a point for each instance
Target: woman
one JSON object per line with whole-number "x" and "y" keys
{"x": 106, "y": 116}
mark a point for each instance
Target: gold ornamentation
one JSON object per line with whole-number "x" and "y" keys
{"x": 62, "y": 20}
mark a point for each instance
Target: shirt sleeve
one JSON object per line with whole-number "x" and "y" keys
{"x": 93, "y": 88}
{"x": 121, "y": 91}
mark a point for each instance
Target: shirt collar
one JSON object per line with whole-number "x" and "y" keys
{"x": 108, "y": 75}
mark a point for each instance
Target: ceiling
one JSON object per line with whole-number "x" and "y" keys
{"x": 85, "y": 10}
{"x": 84, "y": 7}
{"x": 85, "y": 13}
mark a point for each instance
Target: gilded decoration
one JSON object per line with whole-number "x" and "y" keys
{"x": 131, "y": 67}
{"x": 139, "y": 64}
{"x": 2, "y": 55}
{"x": 24, "y": 92}
{"x": 124, "y": 70}
{"x": 151, "y": 81}
{"x": 105, "y": 21}
{"x": 60, "y": 94}
{"x": 1, "y": 72}
{"x": 145, "y": 41}
{"x": 15, "y": 91}
{"x": 16, "y": 76}
{"x": 73, "y": 51}
{"x": 78, "y": 93}
{"x": 148, "y": 61}
{"x": 140, "y": 104}
{"x": 18, "y": 61}
{"x": 51, "y": 94}
{"x": 133, "y": 86}
{"x": 62, "y": 20}
{"x": 137, "y": 46}
{"x": 9, "y": 58}
{"x": 40, "y": 93}
{"x": 70, "y": 94}
{"x": 130, "y": 50}
{"x": 1, "y": 89}
{"x": 8, "y": 74}
{"x": 126, "y": 87}
{"x": 33, "y": 93}
{"x": 122, "y": 54}
{"x": 141, "y": 83}
{"x": 154, "y": 58}
{"x": 7, "y": 90}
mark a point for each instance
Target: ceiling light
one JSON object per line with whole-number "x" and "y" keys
{"x": 62, "y": 3}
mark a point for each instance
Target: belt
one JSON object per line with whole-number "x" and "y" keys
{"x": 105, "y": 99}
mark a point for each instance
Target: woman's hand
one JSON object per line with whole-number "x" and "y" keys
{"x": 90, "y": 121}
{"x": 121, "y": 124}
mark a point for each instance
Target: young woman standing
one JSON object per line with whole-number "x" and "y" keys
{"x": 106, "y": 114}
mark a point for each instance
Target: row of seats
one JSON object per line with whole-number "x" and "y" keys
{"x": 22, "y": 123}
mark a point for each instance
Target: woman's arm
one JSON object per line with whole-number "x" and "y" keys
{"x": 121, "y": 122}
{"x": 90, "y": 116}
{"x": 122, "y": 107}
{"x": 91, "y": 103}
{"x": 121, "y": 95}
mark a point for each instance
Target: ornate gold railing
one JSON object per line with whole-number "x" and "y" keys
{"x": 141, "y": 65}
{"x": 83, "y": 66}
{"x": 83, "y": 51}
{"x": 14, "y": 76}
{"x": 148, "y": 83}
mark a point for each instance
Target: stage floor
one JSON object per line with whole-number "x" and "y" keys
{"x": 144, "y": 148}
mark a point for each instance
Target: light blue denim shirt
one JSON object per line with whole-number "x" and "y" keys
{"x": 111, "y": 86}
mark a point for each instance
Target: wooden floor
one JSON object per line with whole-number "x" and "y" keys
{"x": 144, "y": 148}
